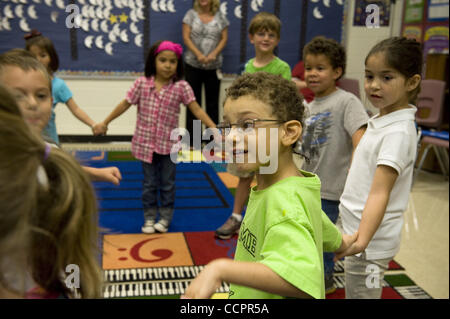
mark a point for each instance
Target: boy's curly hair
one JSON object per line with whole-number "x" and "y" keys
{"x": 282, "y": 95}
{"x": 330, "y": 48}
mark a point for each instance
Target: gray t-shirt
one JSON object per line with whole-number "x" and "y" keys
{"x": 330, "y": 124}
{"x": 206, "y": 37}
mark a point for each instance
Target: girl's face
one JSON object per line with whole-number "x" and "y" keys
{"x": 41, "y": 54}
{"x": 386, "y": 88}
{"x": 249, "y": 148}
{"x": 320, "y": 76}
{"x": 166, "y": 65}
{"x": 32, "y": 93}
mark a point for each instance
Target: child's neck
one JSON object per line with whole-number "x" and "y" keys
{"x": 286, "y": 168}
{"x": 391, "y": 109}
{"x": 160, "y": 82}
{"x": 262, "y": 59}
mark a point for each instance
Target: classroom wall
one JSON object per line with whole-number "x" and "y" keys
{"x": 99, "y": 96}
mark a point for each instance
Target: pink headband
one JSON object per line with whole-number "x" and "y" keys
{"x": 167, "y": 45}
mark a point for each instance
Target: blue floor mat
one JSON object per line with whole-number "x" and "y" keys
{"x": 202, "y": 203}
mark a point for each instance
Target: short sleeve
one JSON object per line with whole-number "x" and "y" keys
{"x": 223, "y": 21}
{"x": 134, "y": 93}
{"x": 296, "y": 260}
{"x": 189, "y": 17}
{"x": 62, "y": 92}
{"x": 187, "y": 96}
{"x": 286, "y": 72}
{"x": 394, "y": 151}
{"x": 332, "y": 237}
{"x": 355, "y": 114}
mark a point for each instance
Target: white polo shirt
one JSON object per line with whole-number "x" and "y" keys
{"x": 389, "y": 140}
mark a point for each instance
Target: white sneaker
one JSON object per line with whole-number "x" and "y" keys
{"x": 161, "y": 226}
{"x": 148, "y": 227}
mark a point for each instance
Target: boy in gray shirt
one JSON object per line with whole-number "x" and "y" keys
{"x": 335, "y": 122}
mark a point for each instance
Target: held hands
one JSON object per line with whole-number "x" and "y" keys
{"x": 349, "y": 246}
{"x": 99, "y": 128}
{"x": 206, "y": 283}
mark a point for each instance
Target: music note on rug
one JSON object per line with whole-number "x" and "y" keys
{"x": 141, "y": 250}
{"x": 161, "y": 254}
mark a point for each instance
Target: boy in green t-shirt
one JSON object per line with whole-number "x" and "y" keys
{"x": 284, "y": 231}
{"x": 264, "y": 33}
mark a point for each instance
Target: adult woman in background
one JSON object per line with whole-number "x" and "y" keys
{"x": 205, "y": 34}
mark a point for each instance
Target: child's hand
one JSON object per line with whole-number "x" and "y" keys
{"x": 109, "y": 174}
{"x": 205, "y": 284}
{"x": 348, "y": 246}
{"x": 99, "y": 129}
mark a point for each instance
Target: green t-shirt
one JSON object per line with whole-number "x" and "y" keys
{"x": 276, "y": 66}
{"x": 285, "y": 229}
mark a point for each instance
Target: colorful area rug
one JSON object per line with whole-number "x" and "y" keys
{"x": 138, "y": 265}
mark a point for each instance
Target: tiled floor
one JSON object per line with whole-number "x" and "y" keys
{"x": 425, "y": 239}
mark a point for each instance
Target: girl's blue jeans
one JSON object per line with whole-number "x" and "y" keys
{"x": 159, "y": 176}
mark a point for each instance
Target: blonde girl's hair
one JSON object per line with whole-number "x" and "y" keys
{"x": 215, "y": 4}
{"x": 60, "y": 212}
{"x": 17, "y": 197}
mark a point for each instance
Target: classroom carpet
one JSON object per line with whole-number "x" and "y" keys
{"x": 138, "y": 265}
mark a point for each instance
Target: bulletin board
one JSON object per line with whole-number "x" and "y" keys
{"x": 427, "y": 22}
{"x": 113, "y": 36}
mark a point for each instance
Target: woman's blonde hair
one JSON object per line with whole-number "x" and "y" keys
{"x": 215, "y": 4}
{"x": 59, "y": 211}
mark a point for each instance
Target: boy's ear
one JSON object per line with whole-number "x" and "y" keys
{"x": 413, "y": 82}
{"x": 337, "y": 73}
{"x": 292, "y": 132}
{"x": 250, "y": 36}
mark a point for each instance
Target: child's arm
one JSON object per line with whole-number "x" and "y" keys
{"x": 200, "y": 114}
{"x": 102, "y": 127}
{"x": 357, "y": 136}
{"x": 299, "y": 83}
{"x": 79, "y": 113}
{"x": 104, "y": 174}
{"x": 373, "y": 213}
{"x": 250, "y": 274}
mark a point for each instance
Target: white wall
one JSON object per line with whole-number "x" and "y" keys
{"x": 359, "y": 41}
{"x": 98, "y": 97}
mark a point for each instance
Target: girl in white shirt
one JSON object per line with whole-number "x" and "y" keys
{"x": 379, "y": 180}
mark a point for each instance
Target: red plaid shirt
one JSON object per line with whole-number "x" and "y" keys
{"x": 157, "y": 115}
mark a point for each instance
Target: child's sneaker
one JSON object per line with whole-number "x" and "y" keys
{"x": 162, "y": 226}
{"x": 148, "y": 227}
{"x": 228, "y": 229}
{"x": 329, "y": 286}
